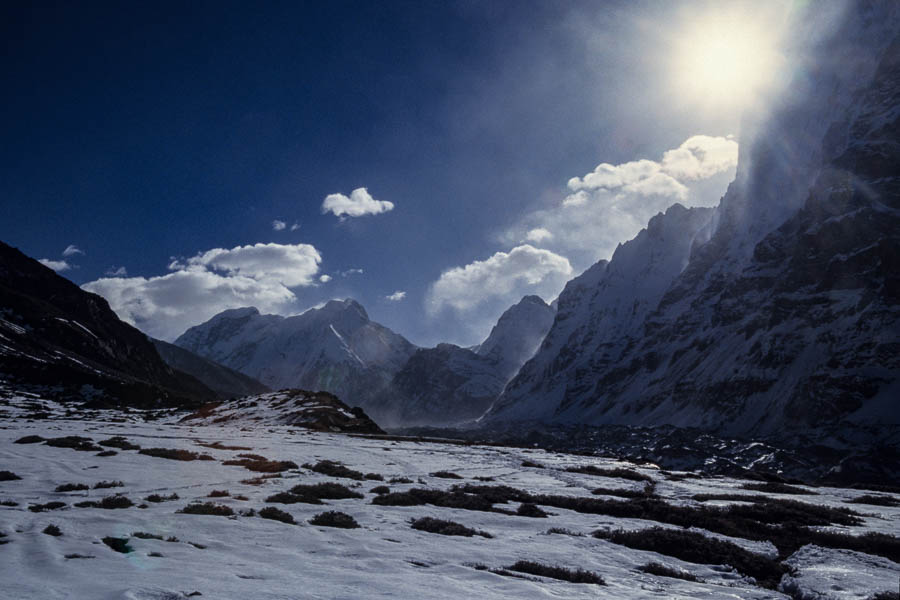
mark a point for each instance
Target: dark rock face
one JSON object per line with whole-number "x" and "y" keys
{"x": 225, "y": 382}
{"x": 317, "y": 411}
{"x": 68, "y": 344}
{"x": 774, "y": 324}
{"x": 444, "y": 385}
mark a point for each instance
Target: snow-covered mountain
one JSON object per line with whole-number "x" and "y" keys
{"x": 335, "y": 348}
{"x": 225, "y": 382}
{"x": 517, "y": 335}
{"x": 779, "y": 309}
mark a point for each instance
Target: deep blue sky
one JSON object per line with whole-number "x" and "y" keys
{"x": 139, "y": 132}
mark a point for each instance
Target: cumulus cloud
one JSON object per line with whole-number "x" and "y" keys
{"x": 295, "y": 226}
{"x": 72, "y": 250}
{"x": 57, "y": 265}
{"x": 359, "y": 203}
{"x": 507, "y": 275}
{"x": 278, "y": 225}
{"x": 114, "y": 271}
{"x": 612, "y": 203}
{"x": 396, "y": 296}
{"x": 538, "y": 235}
{"x": 324, "y": 278}
{"x": 197, "y": 288}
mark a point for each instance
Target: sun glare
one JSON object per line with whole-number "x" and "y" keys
{"x": 727, "y": 60}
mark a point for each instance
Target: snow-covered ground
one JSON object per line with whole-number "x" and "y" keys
{"x": 252, "y": 557}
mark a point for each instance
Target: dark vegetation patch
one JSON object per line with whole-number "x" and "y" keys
{"x": 29, "y": 439}
{"x": 261, "y": 479}
{"x": 443, "y": 527}
{"x": 877, "y": 487}
{"x": 680, "y": 476}
{"x": 334, "y": 469}
{"x": 774, "y": 487}
{"x": 120, "y": 442}
{"x": 106, "y": 453}
{"x": 783, "y": 522}
{"x": 71, "y": 487}
{"x": 554, "y": 572}
{"x": 100, "y": 485}
{"x": 261, "y": 464}
{"x": 374, "y": 476}
{"x": 52, "y": 530}
{"x": 563, "y": 531}
{"x": 218, "y": 494}
{"x": 147, "y": 536}
{"x": 697, "y": 548}
{"x": 648, "y": 491}
{"x": 289, "y": 498}
{"x": 400, "y": 480}
{"x": 158, "y": 498}
{"x": 207, "y": 508}
{"x": 109, "y": 502}
{"x": 380, "y": 489}
{"x": 75, "y": 442}
{"x": 875, "y": 500}
{"x": 118, "y": 544}
{"x": 325, "y": 491}
{"x": 619, "y": 472}
{"x": 532, "y": 465}
{"x": 71, "y": 556}
{"x": 9, "y": 503}
{"x": 483, "y": 478}
{"x": 731, "y": 497}
{"x": 885, "y": 596}
{"x": 446, "y": 475}
{"x": 333, "y": 518}
{"x": 174, "y": 454}
{"x": 527, "y": 509}
{"x": 221, "y": 446}
{"x": 36, "y": 508}
{"x": 660, "y": 570}
{"x": 8, "y": 476}
{"x": 154, "y": 555}
{"x": 276, "y": 514}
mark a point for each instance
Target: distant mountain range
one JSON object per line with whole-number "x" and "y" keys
{"x": 338, "y": 349}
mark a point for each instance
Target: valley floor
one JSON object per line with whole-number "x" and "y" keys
{"x": 171, "y": 554}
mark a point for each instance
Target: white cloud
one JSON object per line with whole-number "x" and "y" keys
{"x": 210, "y": 282}
{"x": 359, "y": 203}
{"x": 701, "y": 157}
{"x": 612, "y": 203}
{"x": 350, "y": 272}
{"x": 117, "y": 271}
{"x": 57, "y": 265}
{"x": 295, "y": 226}
{"x": 538, "y": 235}
{"x": 324, "y": 278}
{"x": 278, "y": 225}
{"x": 72, "y": 250}
{"x": 504, "y": 276}
{"x": 396, "y": 296}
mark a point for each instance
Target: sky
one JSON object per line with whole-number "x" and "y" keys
{"x": 436, "y": 161}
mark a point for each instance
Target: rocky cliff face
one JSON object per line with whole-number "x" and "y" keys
{"x": 225, "y": 382}
{"x": 517, "y": 335}
{"x": 68, "y": 344}
{"x": 789, "y": 315}
{"x": 336, "y": 349}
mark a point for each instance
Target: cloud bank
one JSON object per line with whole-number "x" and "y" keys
{"x": 359, "y": 203}
{"x": 57, "y": 265}
{"x": 197, "y": 288}
{"x": 396, "y": 296}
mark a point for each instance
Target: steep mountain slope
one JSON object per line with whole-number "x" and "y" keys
{"x": 68, "y": 343}
{"x": 335, "y": 348}
{"x": 517, "y": 335}
{"x": 225, "y": 382}
{"x": 789, "y": 316}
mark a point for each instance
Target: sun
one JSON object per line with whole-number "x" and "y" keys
{"x": 727, "y": 60}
